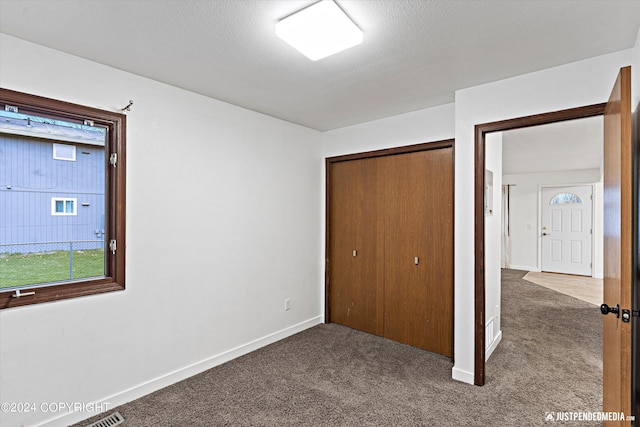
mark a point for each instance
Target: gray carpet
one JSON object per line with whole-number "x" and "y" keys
{"x": 549, "y": 360}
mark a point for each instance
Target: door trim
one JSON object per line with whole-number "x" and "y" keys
{"x": 364, "y": 155}
{"x": 479, "y": 163}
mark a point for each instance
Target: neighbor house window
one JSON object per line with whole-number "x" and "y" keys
{"x": 63, "y": 206}
{"x": 64, "y": 152}
{"x": 50, "y": 246}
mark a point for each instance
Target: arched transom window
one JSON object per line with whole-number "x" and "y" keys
{"x": 565, "y": 199}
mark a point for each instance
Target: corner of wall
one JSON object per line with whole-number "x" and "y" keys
{"x": 462, "y": 375}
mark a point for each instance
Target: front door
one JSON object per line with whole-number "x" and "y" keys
{"x": 567, "y": 229}
{"x": 618, "y": 248}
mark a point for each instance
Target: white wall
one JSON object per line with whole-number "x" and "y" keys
{"x": 431, "y": 124}
{"x": 524, "y": 230}
{"x": 224, "y": 216}
{"x": 572, "y": 85}
{"x": 493, "y": 245}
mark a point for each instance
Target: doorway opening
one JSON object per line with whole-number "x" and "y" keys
{"x": 543, "y": 214}
{"x": 483, "y": 131}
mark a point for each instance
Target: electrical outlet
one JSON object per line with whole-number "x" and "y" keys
{"x": 287, "y": 304}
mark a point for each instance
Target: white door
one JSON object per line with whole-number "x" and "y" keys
{"x": 566, "y": 229}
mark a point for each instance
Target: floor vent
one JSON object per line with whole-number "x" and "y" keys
{"x": 489, "y": 333}
{"x": 110, "y": 421}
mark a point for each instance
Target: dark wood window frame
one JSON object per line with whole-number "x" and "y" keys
{"x": 115, "y": 125}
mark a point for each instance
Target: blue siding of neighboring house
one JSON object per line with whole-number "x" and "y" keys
{"x": 30, "y": 178}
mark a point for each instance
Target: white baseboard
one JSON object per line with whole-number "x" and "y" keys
{"x": 468, "y": 377}
{"x": 493, "y": 346}
{"x": 524, "y": 268}
{"x": 461, "y": 375}
{"x": 143, "y": 389}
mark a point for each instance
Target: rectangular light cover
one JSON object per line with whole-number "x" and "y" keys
{"x": 319, "y": 30}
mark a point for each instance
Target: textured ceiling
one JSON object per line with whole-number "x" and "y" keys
{"x": 569, "y": 145}
{"x": 415, "y": 53}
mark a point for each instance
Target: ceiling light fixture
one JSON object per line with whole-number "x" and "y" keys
{"x": 319, "y": 30}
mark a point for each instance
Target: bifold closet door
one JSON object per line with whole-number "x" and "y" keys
{"x": 355, "y": 244}
{"x": 418, "y": 256}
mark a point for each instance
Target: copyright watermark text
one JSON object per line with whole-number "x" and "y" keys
{"x": 53, "y": 407}
{"x": 587, "y": 416}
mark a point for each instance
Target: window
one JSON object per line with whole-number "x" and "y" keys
{"x": 565, "y": 199}
{"x": 63, "y": 206}
{"x": 64, "y": 152}
{"x": 63, "y": 234}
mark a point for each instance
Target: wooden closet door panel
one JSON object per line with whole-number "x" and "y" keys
{"x": 369, "y": 274}
{"x": 418, "y": 305}
{"x": 355, "y": 281}
{"x": 341, "y": 239}
{"x": 437, "y": 245}
{"x": 401, "y": 300}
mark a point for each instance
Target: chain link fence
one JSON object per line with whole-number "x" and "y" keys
{"x": 47, "y": 262}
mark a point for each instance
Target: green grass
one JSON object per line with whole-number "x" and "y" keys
{"x": 37, "y": 268}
